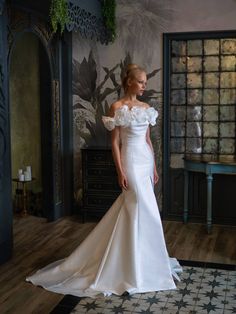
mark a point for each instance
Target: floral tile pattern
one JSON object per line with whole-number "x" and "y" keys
{"x": 201, "y": 290}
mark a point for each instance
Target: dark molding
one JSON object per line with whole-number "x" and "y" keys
{"x": 88, "y": 24}
{"x": 6, "y": 238}
{"x": 21, "y": 21}
{"x": 198, "y": 35}
{"x": 2, "y": 3}
{"x": 166, "y": 125}
{"x": 4, "y": 126}
{"x": 3, "y": 118}
{"x": 57, "y": 163}
{"x": 67, "y": 124}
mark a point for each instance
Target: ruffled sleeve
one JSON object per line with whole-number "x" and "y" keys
{"x": 108, "y": 122}
{"x": 152, "y": 115}
{"x": 124, "y": 117}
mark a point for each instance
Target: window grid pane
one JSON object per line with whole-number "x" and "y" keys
{"x": 203, "y": 96}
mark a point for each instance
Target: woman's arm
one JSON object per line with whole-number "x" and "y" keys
{"x": 148, "y": 139}
{"x": 115, "y": 144}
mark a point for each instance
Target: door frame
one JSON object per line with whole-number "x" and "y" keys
{"x": 59, "y": 52}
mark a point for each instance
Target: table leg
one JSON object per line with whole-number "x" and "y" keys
{"x": 186, "y": 179}
{"x": 24, "y": 200}
{"x": 209, "y": 202}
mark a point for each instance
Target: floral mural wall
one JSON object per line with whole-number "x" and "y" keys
{"x": 97, "y": 68}
{"x": 92, "y": 99}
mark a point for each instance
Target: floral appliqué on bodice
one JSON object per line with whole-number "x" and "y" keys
{"x": 125, "y": 116}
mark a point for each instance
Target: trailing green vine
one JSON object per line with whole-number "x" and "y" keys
{"x": 59, "y": 14}
{"x": 109, "y": 16}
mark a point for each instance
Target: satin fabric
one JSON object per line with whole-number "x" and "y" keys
{"x": 126, "y": 251}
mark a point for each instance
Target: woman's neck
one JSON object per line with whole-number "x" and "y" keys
{"x": 130, "y": 97}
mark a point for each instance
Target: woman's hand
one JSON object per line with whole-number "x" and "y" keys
{"x": 156, "y": 177}
{"x": 123, "y": 182}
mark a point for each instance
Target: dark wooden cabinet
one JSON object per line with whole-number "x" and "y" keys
{"x": 99, "y": 180}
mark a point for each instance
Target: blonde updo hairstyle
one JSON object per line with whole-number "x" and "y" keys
{"x": 130, "y": 72}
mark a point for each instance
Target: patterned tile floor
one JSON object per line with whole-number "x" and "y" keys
{"x": 201, "y": 290}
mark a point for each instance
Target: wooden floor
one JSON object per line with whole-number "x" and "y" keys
{"x": 37, "y": 243}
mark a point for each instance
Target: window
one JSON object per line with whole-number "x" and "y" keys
{"x": 202, "y": 98}
{"x": 199, "y": 95}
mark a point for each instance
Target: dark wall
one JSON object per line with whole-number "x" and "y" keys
{"x": 24, "y": 100}
{"x": 40, "y": 7}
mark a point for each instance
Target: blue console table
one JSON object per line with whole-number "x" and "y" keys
{"x": 209, "y": 167}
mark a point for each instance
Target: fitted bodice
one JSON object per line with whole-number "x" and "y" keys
{"x": 133, "y": 125}
{"x": 135, "y": 134}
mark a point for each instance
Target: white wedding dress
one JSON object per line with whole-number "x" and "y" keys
{"x": 126, "y": 251}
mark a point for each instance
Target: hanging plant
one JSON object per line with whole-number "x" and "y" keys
{"x": 59, "y": 14}
{"x": 109, "y": 16}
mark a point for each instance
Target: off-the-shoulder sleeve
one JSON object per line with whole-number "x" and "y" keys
{"x": 109, "y": 123}
{"x": 123, "y": 117}
{"x": 152, "y": 115}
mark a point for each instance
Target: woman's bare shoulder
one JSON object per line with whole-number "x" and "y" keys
{"x": 116, "y": 105}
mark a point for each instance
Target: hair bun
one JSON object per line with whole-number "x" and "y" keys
{"x": 131, "y": 67}
{"x": 129, "y": 72}
{"x": 128, "y": 68}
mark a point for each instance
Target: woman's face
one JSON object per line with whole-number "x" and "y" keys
{"x": 137, "y": 85}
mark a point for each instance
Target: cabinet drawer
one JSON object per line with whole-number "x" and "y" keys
{"x": 99, "y": 200}
{"x": 98, "y": 157}
{"x": 110, "y": 184}
{"x": 101, "y": 172}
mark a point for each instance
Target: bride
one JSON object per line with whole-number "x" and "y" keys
{"x": 126, "y": 251}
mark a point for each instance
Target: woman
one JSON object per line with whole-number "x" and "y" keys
{"x": 126, "y": 251}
